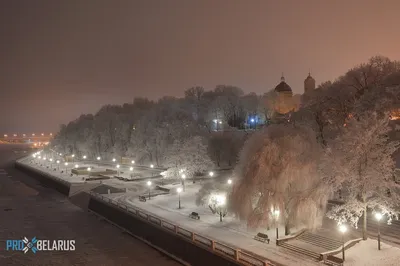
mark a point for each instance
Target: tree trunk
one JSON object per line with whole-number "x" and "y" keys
{"x": 365, "y": 224}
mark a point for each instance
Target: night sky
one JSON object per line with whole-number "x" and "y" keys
{"x": 63, "y": 58}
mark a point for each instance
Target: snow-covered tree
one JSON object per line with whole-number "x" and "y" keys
{"x": 189, "y": 157}
{"x": 360, "y": 163}
{"x": 278, "y": 169}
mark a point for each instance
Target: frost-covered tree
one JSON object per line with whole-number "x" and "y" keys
{"x": 278, "y": 169}
{"x": 360, "y": 163}
{"x": 189, "y": 157}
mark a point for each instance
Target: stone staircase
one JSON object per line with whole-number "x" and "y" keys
{"x": 319, "y": 240}
{"x": 312, "y": 244}
{"x": 300, "y": 250}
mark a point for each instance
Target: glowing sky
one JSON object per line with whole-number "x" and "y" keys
{"x": 63, "y": 58}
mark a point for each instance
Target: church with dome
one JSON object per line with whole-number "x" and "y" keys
{"x": 285, "y": 101}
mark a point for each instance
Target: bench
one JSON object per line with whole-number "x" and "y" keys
{"x": 194, "y": 215}
{"x": 142, "y": 198}
{"x": 262, "y": 237}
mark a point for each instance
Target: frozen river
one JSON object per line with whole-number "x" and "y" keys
{"x": 29, "y": 209}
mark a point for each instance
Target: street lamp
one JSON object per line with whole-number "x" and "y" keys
{"x": 58, "y": 164}
{"x": 84, "y": 157}
{"x": 131, "y": 168}
{"x": 211, "y": 174}
{"x": 183, "y": 181}
{"x": 229, "y": 181}
{"x": 114, "y": 160}
{"x": 88, "y": 170}
{"x": 98, "y": 158}
{"x": 343, "y": 229}
{"x": 117, "y": 169}
{"x": 149, "y": 185}
{"x": 221, "y": 199}
{"x": 73, "y": 156}
{"x": 76, "y": 166}
{"x": 133, "y": 162}
{"x": 276, "y": 216}
{"x": 66, "y": 167}
{"x": 378, "y": 217}
{"x": 179, "y": 190}
{"x": 151, "y": 165}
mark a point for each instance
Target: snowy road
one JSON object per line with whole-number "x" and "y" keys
{"x": 28, "y": 209}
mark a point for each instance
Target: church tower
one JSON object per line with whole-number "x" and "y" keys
{"x": 309, "y": 83}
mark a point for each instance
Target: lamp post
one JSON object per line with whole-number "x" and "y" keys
{"x": 51, "y": 162}
{"x": 221, "y": 199}
{"x": 229, "y": 181}
{"x": 66, "y": 167}
{"x": 114, "y": 160}
{"x": 88, "y": 170}
{"x": 179, "y": 190}
{"x": 276, "y": 216}
{"x": 183, "y": 181}
{"x": 58, "y": 165}
{"x": 84, "y": 157}
{"x": 378, "y": 217}
{"x": 118, "y": 170}
{"x": 76, "y": 166}
{"x": 211, "y": 173}
{"x": 343, "y": 229}
{"x": 149, "y": 185}
{"x": 132, "y": 162}
{"x": 73, "y": 158}
{"x": 98, "y": 160}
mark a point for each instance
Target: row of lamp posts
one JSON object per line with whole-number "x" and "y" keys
{"x": 343, "y": 230}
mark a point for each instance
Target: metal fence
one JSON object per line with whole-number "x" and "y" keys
{"x": 203, "y": 241}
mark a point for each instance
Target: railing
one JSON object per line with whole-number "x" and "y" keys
{"x": 202, "y": 241}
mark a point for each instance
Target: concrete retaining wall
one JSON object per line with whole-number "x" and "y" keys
{"x": 170, "y": 243}
{"x": 44, "y": 178}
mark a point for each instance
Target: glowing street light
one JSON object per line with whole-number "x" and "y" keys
{"x": 131, "y": 168}
{"x": 183, "y": 176}
{"x": 149, "y": 185}
{"x": 276, "y": 213}
{"x": 98, "y": 158}
{"x": 179, "y": 190}
{"x": 66, "y": 167}
{"x": 84, "y": 157}
{"x": 58, "y": 164}
{"x": 88, "y": 170}
{"x": 378, "y": 217}
{"x": 33, "y": 134}
{"x": 42, "y": 134}
{"x": 151, "y": 165}
{"x": 114, "y": 160}
{"x": 229, "y": 181}
{"x": 211, "y": 174}
{"x": 76, "y": 166}
{"x": 133, "y": 162}
{"x": 221, "y": 200}
{"x": 343, "y": 229}
{"x": 118, "y": 169}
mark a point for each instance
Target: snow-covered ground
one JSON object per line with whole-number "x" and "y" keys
{"x": 366, "y": 253}
{"x": 230, "y": 231}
